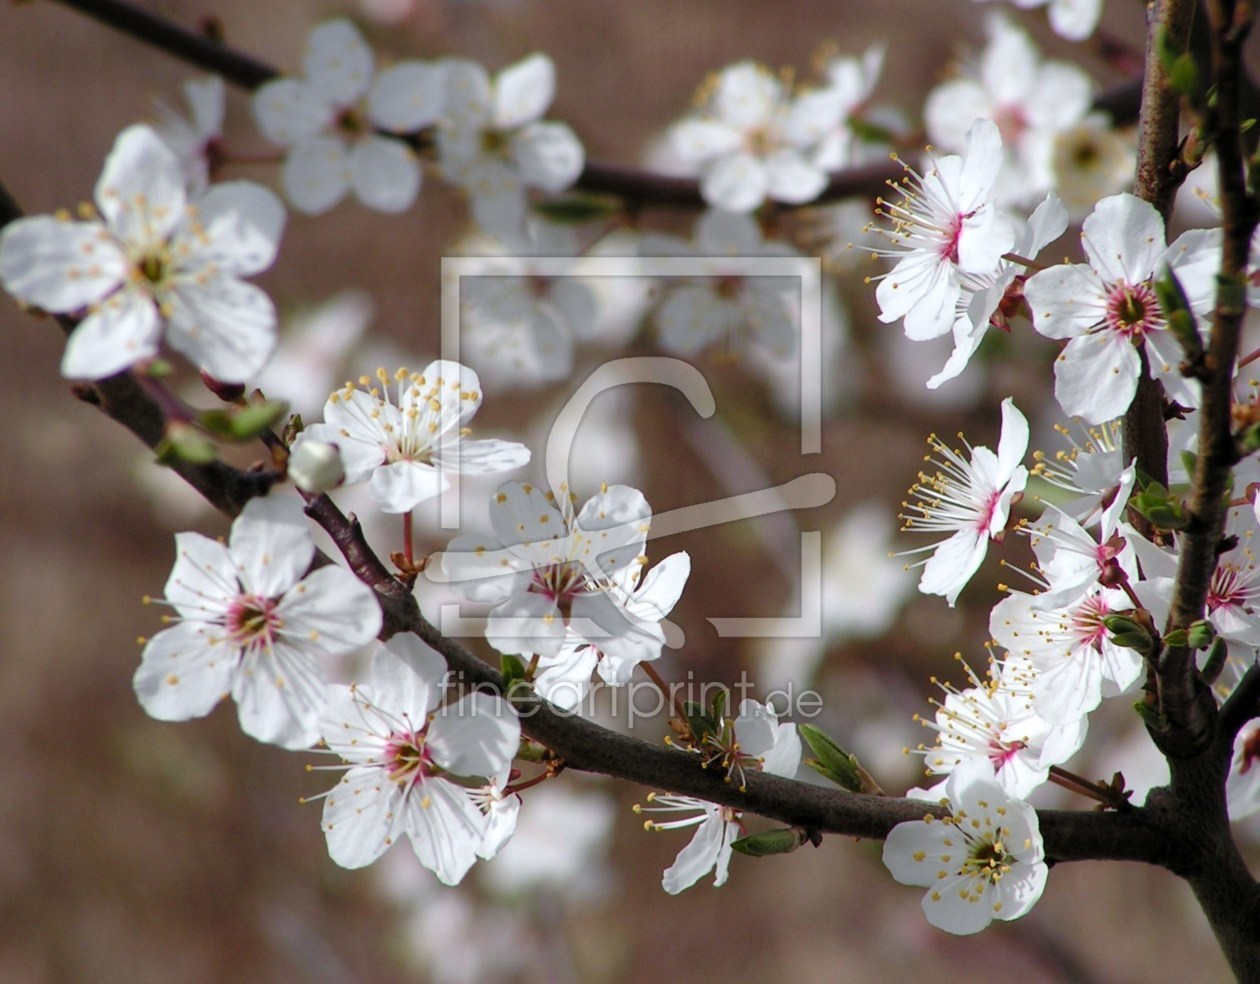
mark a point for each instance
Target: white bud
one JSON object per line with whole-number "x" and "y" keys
{"x": 315, "y": 467}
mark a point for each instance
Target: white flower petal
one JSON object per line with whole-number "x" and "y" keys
{"x": 184, "y": 672}
{"x": 477, "y": 736}
{"x": 270, "y": 543}
{"x": 338, "y": 62}
{"x": 225, "y": 326}
{"x": 203, "y": 579}
{"x": 59, "y": 266}
{"x": 487, "y": 457}
{"x": 522, "y": 92}
{"x": 793, "y": 179}
{"x": 446, "y": 828}
{"x": 709, "y": 847}
{"x": 123, "y": 330}
{"x": 141, "y": 189}
{"x": 290, "y": 111}
{"x": 747, "y": 95}
{"x": 280, "y": 696}
{"x": 316, "y": 174}
{"x": 243, "y": 222}
{"x": 548, "y": 156}
{"x": 1124, "y": 239}
{"x": 737, "y": 183}
{"x": 528, "y": 623}
{"x": 331, "y": 612}
{"x": 698, "y": 141}
{"x": 385, "y": 174}
{"x": 412, "y": 673}
{"x": 1096, "y": 376}
{"x": 400, "y": 486}
{"x": 362, "y": 818}
{"x": 408, "y": 96}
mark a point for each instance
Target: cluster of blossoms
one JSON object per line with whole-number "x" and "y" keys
{"x": 567, "y": 589}
{"x": 755, "y": 137}
{"x": 350, "y": 128}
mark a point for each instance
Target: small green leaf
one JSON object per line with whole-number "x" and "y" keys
{"x": 512, "y": 667}
{"x": 833, "y": 762}
{"x": 184, "y": 442}
{"x": 781, "y": 840}
{"x": 1201, "y": 634}
{"x": 576, "y": 209}
{"x": 252, "y": 420}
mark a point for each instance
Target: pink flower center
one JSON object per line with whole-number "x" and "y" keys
{"x": 1133, "y": 310}
{"x": 1087, "y": 622}
{"x": 1251, "y": 751}
{"x": 560, "y": 582}
{"x": 1001, "y": 752}
{"x": 1011, "y": 123}
{"x": 1228, "y": 588}
{"x": 949, "y": 246}
{"x": 406, "y": 757}
{"x": 253, "y": 621}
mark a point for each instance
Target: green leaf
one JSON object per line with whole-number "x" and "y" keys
{"x": 184, "y": 442}
{"x": 1201, "y": 634}
{"x": 243, "y": 423}
{"x": 252, "y": 420}
{"x": 576, "y": 209}
{"x": 781, "y": 840}
{"x": 833, "y": 762}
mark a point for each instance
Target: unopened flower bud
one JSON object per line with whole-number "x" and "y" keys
{"x": 315, "y": 467}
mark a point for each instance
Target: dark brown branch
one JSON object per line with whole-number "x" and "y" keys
{"x": 1242, "y": 705}
{"x": 196, "y": 49}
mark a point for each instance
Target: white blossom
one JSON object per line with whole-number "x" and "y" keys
{"x": 554, "y": 574}
{"x": 155, "y": 262}
{"x": 753, "y": 139}
{"x": 494, "y": 144}
{"x": 1107, "y": 309}
{"x": 330, "y": 115}
{"x": 406, "y": 449}
{"x": 196, "y": 139}
{"x": 759, "y": 742}
{"x": 947, "y": 224}
{"x": 985, "y": 861}
{"x": 1030, "y": 100}
{"x": 406, "y": 753}
{"x": 722, "y": 308}
{"x": 970, "y": 499}
{"x": 253, "y": 624}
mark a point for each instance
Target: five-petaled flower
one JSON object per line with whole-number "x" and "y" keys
{"x": 415, "y": 766}
{"x": 555, "y": 574}
{"x": 945, "y": 226}
{"x": 1108, "y": 310}
{"x": 250, "y": 624}
{"x": 494, "y": 144}
{"x": 153, "y": 259}
{"x": 330, "y": 119}
{"x": 985, "y": 861}
{"x": 407, "y": 449}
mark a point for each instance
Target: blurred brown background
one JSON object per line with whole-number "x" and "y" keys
{"x": 132, "y": 850}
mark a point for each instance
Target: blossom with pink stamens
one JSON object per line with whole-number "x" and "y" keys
{"x": 1108, "y": 311}
{"x": 969, "y": 499}
{"x": 945, "y": 226}
{"x": 253, "y": 623}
